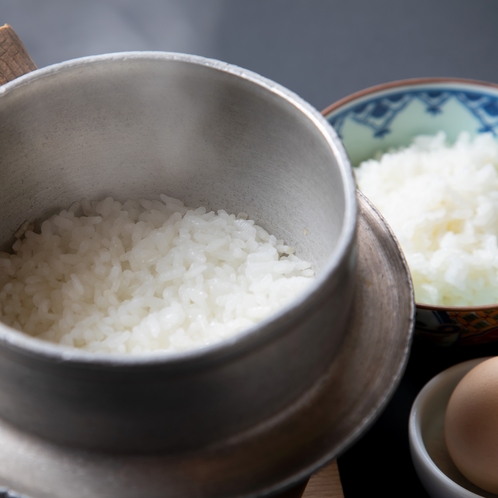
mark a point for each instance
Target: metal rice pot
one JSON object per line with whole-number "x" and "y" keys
{"x": 138, "y": 124}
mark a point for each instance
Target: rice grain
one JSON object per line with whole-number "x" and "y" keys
{"x": 145, "y": 275}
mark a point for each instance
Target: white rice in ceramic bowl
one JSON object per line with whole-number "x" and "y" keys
{"x": 441, "y": 201}
{"x": 145, "y": 275}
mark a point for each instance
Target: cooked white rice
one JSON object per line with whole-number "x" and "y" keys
{"x": 144, "y": 276}
{"x": 441, "y": 201}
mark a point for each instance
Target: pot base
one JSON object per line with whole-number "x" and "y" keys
{"x": 272, "y": 456}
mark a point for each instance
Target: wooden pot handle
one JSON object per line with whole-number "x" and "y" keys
{"x": 14, "y": 58}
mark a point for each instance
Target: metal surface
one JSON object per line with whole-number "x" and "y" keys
{"x": 214, "y": 135}
{"x": 275, "y": 455}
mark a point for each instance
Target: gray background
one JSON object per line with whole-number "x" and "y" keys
{"x": 322, "y": 50}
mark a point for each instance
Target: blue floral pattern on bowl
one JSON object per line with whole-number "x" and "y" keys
{"x": 379, "y": 113}
{"x": 389, "y": 116}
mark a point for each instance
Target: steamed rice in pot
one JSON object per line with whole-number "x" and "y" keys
{"x": 144, "y": 276}
{"x": 441, "y": 201}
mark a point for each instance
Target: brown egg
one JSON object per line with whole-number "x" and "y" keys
{"x": 471, "y": 425}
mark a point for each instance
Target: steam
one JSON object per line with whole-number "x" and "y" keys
{"x": 57, "y": 31}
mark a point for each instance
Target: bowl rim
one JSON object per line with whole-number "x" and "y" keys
{"x": 438, "y": 80}
{"x": 398, "y": 84}
{"x": 417, "y": 445}
{"x": 251, "y": 338}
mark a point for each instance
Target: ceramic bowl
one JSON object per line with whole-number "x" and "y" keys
{"x": 430, "y": 456}
{"x": 390, "y": 115}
